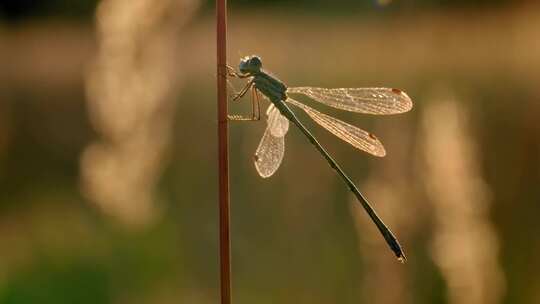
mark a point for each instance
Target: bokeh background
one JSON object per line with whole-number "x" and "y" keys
{"x": 108, "y": 182}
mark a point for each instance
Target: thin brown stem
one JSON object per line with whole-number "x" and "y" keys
{"x": 223, "y": 153}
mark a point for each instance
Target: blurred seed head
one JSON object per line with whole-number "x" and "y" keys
{"x": 129, "y": 103}
{"x": 464, "y": 245}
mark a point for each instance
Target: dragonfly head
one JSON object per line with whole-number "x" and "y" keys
{"x": 250, "y": 65}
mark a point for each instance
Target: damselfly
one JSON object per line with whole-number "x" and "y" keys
{"x": 269, "y": 153}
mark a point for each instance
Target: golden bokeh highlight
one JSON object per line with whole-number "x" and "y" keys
{"x": 130, "y": 103}
{"x": 464, "y": 244}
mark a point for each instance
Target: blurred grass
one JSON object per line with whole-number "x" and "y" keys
{"x": 293, "y": 236}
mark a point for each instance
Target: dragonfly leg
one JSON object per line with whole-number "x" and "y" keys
{"x": 240, "y": 118}
{"x": 229, "y": 83}
{"x": 258, "y": 103}
{"x": 243, "y": 91}
{"x": 252, "y": 105}
{"x": 232, "y": 72}
{"x": 239, "y": 95}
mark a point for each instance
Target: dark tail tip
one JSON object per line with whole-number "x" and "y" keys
{"x": 396, "y": 248}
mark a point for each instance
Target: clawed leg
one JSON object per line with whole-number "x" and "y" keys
{"x": 255, "y": 107}
{"x": 228, "y": 71}
{"x": 232, "y": 72}
{"x": 255, "y": 104}
{"x": 243, "y": 91}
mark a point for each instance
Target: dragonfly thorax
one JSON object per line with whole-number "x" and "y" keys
{"x": 250, "y": 65}
{"x": 270, "y": 86}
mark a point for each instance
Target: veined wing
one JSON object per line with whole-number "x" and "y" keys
{"x": 355, "y": 136}
{"x": 271, "y": 149}
{"x": 277, "y": 123}
{"x": 382, "y": 101}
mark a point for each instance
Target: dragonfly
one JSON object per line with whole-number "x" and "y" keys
{"x": 271, "y": 149}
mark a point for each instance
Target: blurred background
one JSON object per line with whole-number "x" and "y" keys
{"x": 108, "y": 182}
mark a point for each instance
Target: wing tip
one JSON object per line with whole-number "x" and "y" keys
{"x": 408, "y": 101}
{"x": 380, "y": 153}
{"x": 264, "y": 173}
{"x": 378, "y": 149}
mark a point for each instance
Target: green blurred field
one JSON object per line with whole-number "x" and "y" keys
{"x": 295, "y": 235}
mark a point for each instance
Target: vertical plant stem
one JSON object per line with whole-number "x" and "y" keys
{"x": 223, "y": 151}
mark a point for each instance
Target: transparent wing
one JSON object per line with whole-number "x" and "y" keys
{"x": 278, "y": 124}
{"x": 271, "y": 149}
{"x": 382, "y": 101}
{"x": 357, "y": 137}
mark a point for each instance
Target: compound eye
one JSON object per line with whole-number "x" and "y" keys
{"x": 243, "y": 65}
{"x": 255, "y": 62}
